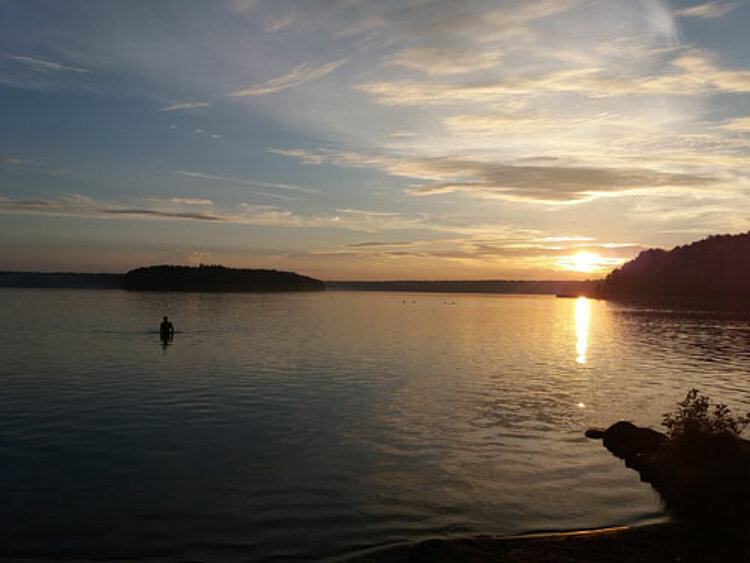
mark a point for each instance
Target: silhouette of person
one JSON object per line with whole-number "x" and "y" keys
{"x": 166, "y": 330}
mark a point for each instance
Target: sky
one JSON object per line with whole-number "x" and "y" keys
{"x": 353, "y": 139}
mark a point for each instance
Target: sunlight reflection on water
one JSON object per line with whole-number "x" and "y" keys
{"x": 314, "y": 425}
{"x": 582, "y": 328}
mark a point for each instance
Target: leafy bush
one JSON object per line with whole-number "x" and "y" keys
{"x": 703, "y": 473}
{"x": 694, "y": 416}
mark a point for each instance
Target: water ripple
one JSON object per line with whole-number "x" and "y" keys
{"x": 305, "y": 427}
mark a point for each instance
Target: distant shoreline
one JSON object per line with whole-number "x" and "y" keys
{"x": 518, "y": 287}
{"x": 70, "y": 280}
{"x": 60, "y": 280}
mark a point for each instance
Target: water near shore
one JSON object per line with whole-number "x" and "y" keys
{"x": 316, "y": 426}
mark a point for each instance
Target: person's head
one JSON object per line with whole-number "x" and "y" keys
{"x": 165, "y": 319}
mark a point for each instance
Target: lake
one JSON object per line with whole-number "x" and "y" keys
{"x": 318, "y": 426}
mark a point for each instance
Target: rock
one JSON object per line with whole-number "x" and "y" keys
{"x": 703, "y": 478}
{"x": 637, "y": 446}
{"x": 595, "y": 433}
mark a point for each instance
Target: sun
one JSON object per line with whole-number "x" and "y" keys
{"x": 586, "y": 262}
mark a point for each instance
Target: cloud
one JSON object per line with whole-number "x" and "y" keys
{"x": 279, "y": 23}
{"x": 517, "y": 182}
{"x": 521, "y": 252}
{"x": 182, "y": 200}
{"x": 451, "y": 22}
{"x": 185, "y": 105}
{"x": 378, "y": 244}
{"x": 514, "y": 21}
{"x": 46, "y": 66}
{"x": 480, "y": 124}
{"x": 742, "y": 124}
{"x": 302, "y": 74}
{"x": 81, "y": 206}
{"x": 11, "y": 161}
{"x": 305, "y": 156}
{"x": 545, "y": 184}
{"x": 691, "y": 73}
{"x": 242, "y": 6}
{"x": 436, "y": 61}
{"x": 269, "y": 215}
{"x": 163, "y": 214}
{"x": 280, "y": 186}
{"x": 368, "y": 213}
{"x": 707, "y": 10}
{"x": 346, "y": 159}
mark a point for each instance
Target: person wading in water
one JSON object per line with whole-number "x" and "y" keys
{"x": 166, "y": 329}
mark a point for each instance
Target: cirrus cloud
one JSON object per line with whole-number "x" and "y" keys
{"x": 302, "y": 74}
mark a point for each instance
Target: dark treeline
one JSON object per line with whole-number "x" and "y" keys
{"x": 216, "y": 278}
{"x": 471, "y": 286}
{"x": 715, "y": 268}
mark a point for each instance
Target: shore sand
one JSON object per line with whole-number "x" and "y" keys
{"x": 664, "y": 542}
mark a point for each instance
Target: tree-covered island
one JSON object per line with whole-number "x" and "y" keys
{"x": 218, "y": 279}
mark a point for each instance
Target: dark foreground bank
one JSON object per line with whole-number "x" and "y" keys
{"x": 656, "y": 543}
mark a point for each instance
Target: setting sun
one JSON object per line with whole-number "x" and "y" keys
{"x": 586, "y": 262}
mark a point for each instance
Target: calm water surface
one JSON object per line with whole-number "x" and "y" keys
{"x": 316, "y": 426}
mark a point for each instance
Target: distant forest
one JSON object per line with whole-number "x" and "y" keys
{"x": 717, "y": 267}
{"x": 216, "y": 278}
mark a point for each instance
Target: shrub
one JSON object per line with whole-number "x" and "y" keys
{"x": 695, "y": 417}
{"x": 703, "y": 472}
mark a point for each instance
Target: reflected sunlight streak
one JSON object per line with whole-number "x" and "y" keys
{"x": 582, "y": 329}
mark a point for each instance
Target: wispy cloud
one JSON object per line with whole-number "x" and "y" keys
{"x": 742, "y": 124}
{"x": 519, "y": 253}
{"x": 443, "y": 61}
{"x": 372, "y": 244}
{"x": 182, "y": 200}
{"x": 81, "y": 206}
{"x": 184, "y": 105}
{"x": 544, "y": 184}
{"x": 46, "y": 66}
{"x": 509, "y": 123}
{"x": 302, "y": 74}
{"x": 552, "y": 183}
{"x": 679, "y": 213}
{"x": 707, "y": 10}
{"x": 218, "y": 178}
{"x": 691, "y": 73}
{"x": 164, "y": 214}
{"x": 368, "y": 213}
{"x": 280, "y": 22}
{"x": 306, "y": 157}
{"x": 242, "y": 6}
